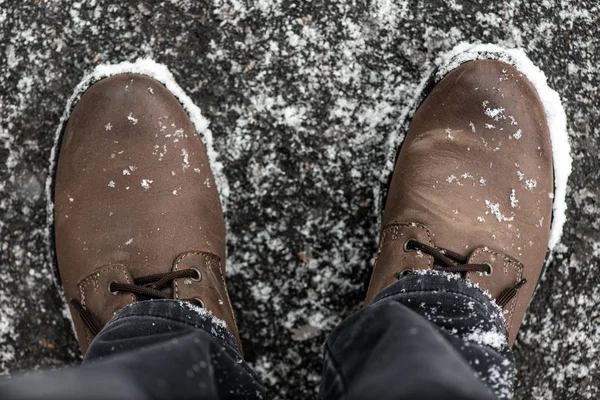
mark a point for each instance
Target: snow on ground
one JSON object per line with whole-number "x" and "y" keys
{"x": 301, "y": 97}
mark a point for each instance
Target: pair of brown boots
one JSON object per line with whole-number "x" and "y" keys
{"x": 138, "y": 216}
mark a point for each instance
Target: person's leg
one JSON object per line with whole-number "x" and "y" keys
{"x": 471, "y": 197}
{"x": 160, "y": 349}
{"x": 139, "y": 239}
{"x": 425, "y": 337}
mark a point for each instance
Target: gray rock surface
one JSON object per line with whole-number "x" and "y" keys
{"x": 301, "y": 97}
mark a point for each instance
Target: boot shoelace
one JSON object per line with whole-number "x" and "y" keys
{"x": 149, "y": 286}
{"x": 448, "y": 261}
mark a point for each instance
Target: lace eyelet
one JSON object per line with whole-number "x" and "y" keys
{"x": 199, "y": 301}
{"x": 491, "y": 269}
{"x": 198, "y": 277}
{"x": 403, "y": 273}
{"x": 110, "y": 291}
{"x": 407, "y": 243}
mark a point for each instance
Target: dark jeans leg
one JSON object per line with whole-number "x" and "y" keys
{"x": 428, "y": 336}
{"x": 161, "y": 349}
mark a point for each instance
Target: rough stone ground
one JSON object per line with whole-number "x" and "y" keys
{"x": 301, "y": 96}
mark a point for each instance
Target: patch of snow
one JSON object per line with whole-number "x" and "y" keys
{"x": 185, "y": 162}
{"x": 513, "y": 199}
{"x": 494, "y": 113}
{"x": 131, "y": 119}
{"x": 489, "y": 338}
{"x": 146, "y": 183}
{"x": 520, "y": 175}
{"x": 203, "y": 312}
{"x": 494, "y": 208}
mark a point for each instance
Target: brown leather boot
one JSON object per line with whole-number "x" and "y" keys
{"x": 472, "y": 188}
{"x": 137, "y": 214}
